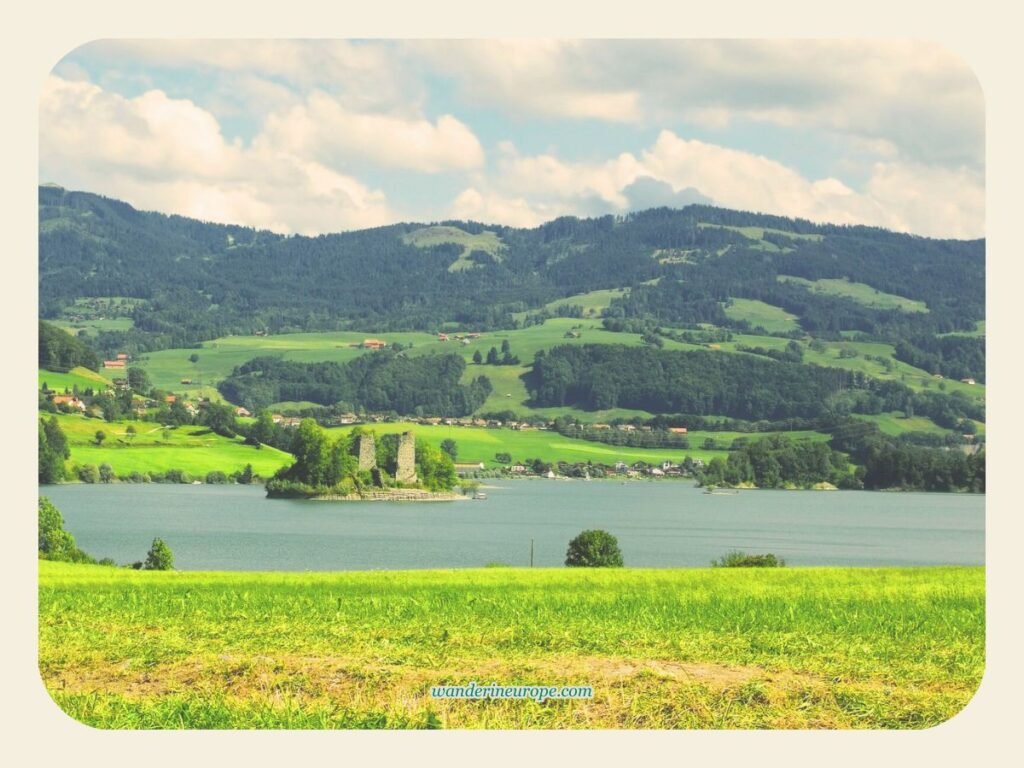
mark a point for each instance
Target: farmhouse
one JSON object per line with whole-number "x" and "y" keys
{"x": 113, "y": 363}
{"x": 374, "y": 344}
{"x": 240, "y": 411}
{"x": 69, "y": 400}
{"x": 677, "y": 430}
{"x": 968, "y": 380}
{"x": 170, "y": 399}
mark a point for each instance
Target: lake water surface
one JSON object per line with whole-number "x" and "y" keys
{"x": 658, "y": 524}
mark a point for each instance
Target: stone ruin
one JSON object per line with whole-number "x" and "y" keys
{"x": 367, "y": 452}
{"x": 406, "y": 472}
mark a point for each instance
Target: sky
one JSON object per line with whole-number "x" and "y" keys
{"x": 318, "y": 136}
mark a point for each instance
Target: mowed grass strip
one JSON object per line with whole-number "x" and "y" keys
{"x": 688, "y": 648}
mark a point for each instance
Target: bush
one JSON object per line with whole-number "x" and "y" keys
{"x": 107, "y": 473}
{"x": 594, "y": 549}
{"x": 88, "y": 473}
{"x": 737, "y": 559}
{"x": 216, "y": 478}
{"x": 159, "y": 557}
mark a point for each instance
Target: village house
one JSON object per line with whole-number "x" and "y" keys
{"x": 968, "y": 380}
{"x": 277, "y": 418}
{"x": 601, "y": 426}
{"x": 374, "y": 344}
{"x": 677, "y": 430}
{"x": 122, "y": 356}
{"x": 626, "y": 428}
{"x": 170, "y": 399}
{"x": 240, "y": 411}
{"x": 655, "y": 472}
{"x": 517, "y": 469}
{"x": 464, "y": 468}
{"x": 70, "y": 401}
{"x": 113, "y": 363}
{"x": 442, "y": 337}
{"x": 120, "y": 383}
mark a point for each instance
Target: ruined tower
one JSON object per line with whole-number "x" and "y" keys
{"x": 367, "y": 452}
{"x": 406, "y": 472}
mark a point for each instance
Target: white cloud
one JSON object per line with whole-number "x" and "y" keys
{"x": 169, "y": 155}
{"x": 547, "y": 77}
{"x": 323, "y": 128}
{"x": 916, "y": 96}
{"x": 925, "y": 200}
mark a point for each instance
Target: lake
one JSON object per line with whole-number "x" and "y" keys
{"x": 658, "y": 524}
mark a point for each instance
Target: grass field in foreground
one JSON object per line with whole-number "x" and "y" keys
{"x": 689, "y": 648}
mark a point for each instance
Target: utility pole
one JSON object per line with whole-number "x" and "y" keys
{"x": 531, "y": 553}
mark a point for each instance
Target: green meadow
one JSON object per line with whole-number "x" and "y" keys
{"x": 804, "y": 648}
{"x": 194, "y": 449}
{"x": 477, "y": 444}
{"x": 758, "y": 313}
{"x": 217, "y": 358}
{"x": 859, "y": 292}
{"x": 83, "y": 378}
{"x": 486, "y": 241}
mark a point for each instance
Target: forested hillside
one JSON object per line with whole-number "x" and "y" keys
{"x": 180, "y": 281}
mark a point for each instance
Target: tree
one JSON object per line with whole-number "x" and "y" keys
{"x": 594, "y": 549}
{"x": 159, "y": 557}
{"x": 193, "y": 358}
{"x": 100, "y": 436}
{"x": 53, "y": 450}
{"x": 54, "y": 542}
{"x": 492, "y": 356}
{"x": 450, "y": 447}
{"x": 88, "y": 473}
{"x": 130, "y": 432}
{"x": 138, "y": 379}
{"x": 503, "y": 458}
{"x": 477, "y": 357}
{"x": 505, "y": 347}
{"x": 245, "y": 478}
{"x": 106, "y": 473}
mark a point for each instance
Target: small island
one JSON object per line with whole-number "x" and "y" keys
{"x": 359, "y": 467}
